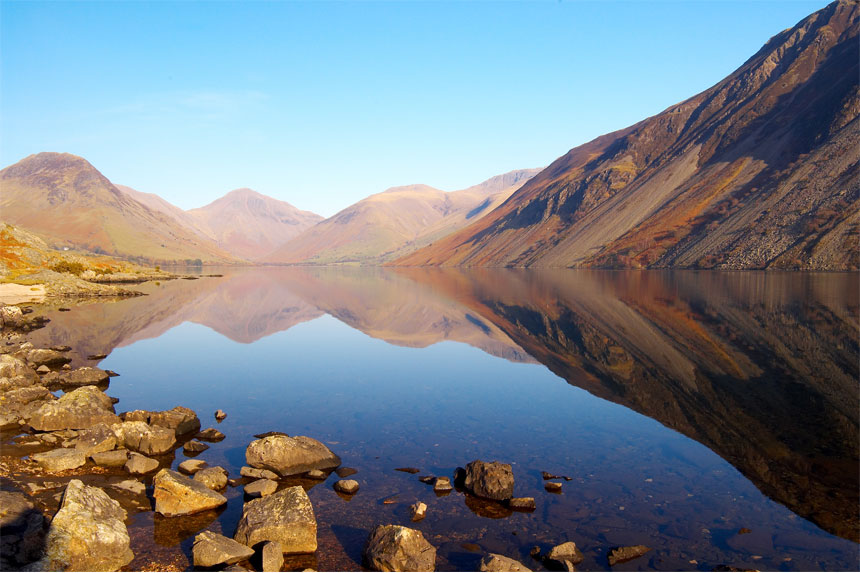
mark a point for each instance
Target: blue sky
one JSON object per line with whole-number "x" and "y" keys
{"x": 321, "y": 104}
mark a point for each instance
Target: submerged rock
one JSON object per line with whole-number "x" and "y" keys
{"x": 496, "y": 562}
{"x": 59, "y": 460}
{"x": 345, "y": 472}
{"x": 552, "y": 486}
{"x": 176, "y": 494}
{"x": 522, "y": 503}
{"x": 286, "y": 516}
{"x": 407, "y": 470}
{"x": 212, "y": 549}
{"x": 81, "y": 408}
{"x": 398, "y": 548}
{"x": 621, "y": 554}
{"x": 22, "y": 531}
{"x": 493, "y": 480}
{"x": 316, "y": 474}
{"x": 347, "y": 486}
{"x": 289, "y": 456}
{"x": 88, "y": 533}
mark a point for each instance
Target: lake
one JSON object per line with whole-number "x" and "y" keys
{"x": 683, "y": 406}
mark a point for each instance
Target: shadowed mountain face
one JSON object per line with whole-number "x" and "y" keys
{"x": 760, "y": 368}
{"x": 395, "y": 222}
{"x": 65, "y": 200}
{"x": 760, "y": 171}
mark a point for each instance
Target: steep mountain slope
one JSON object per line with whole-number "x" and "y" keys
{"x": 396, "y": 222}
{"x": 249, "y": 224}
{"x": 760, "y": 171}
{"x": 64, "y": 199}
{"x": 160, "y": 205}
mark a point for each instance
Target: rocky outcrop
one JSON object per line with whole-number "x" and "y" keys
{"x": 22, "y": 531}
{"x": 286, "y": 516}
{"x": 495, "y": 562}
{"x": 398, "y": 548}
{"x": 176, "y": 494}
{"x": 212, "y": 549}
{"x": 80, "y": 408}
{"x": 493, "y": 480}
{"x": 287, "y": 455}
{"x": 88, "y": 533}
{"x": 144, "y": 438}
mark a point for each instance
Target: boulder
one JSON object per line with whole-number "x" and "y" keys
{"x": 130, "y": 485}
{"x": 552, "y": 486}
{"x": 15, "y": 373}
{"x": 398, "y": 548}
{"x": 622, "y": 554}
{"x": 563, "y": 557}
{"x": 491, "y": 480}
{"x": 176, "y": 494}
{"x": 261, "y": 488}
{"x": 99, "y": 438}
{"x": 59, "y": 460}
{"x": 180, "y": 419}
{"x": 255, "y": 473}
{"x": 194, "y": 447}
{"x": 347, "y": 486}
{"x": 18, "y": 406}
{"x": 212, "y": 549}
{"x": 419, "y": 510}
{"x": 210, "y": 435}
{"x": 495, "y": 562}
{"x": 191, "y": 467}
{"x": 88, "y": 533}
{"x": 286, "y": 516}
{"x": 144, "y": 438}
{"x": 316, "y": 474}
{"x": 85, "y": 376}
{"x": 288, "y": 456}
{"x": 343, "y": 472}
{"x": 44, "y": 356}
{"x": 111, "y": 459}
{"x": 273, "y": 556}
{"x": 81, "y": 408}
{"x": 11, "y": 317}
{"x": 22, "y": 531}
{"x": 139, "y": 464}
{"x": 442, "y": 483}
{"x": 213, "y": 478}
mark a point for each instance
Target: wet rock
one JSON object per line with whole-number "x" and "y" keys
{"x": 176, "y": 494}
{"x": 22, "y": 531}
{"x": 220, "y": 415}
{"x": 19, "y": 405}
{"x": 345, "y": 472}
{"x": 88, "y": 533}
{"x": 42, "y": 369}
{"x": 111, "y": 459}
{"x": 256, "y": 473}
{"x": 267, "y": 434}
{"x": 59, "y": 460}
{"x": 286, "y": 516}
{"x": 534, "y": 552}
{"x": 622, "y": 554}
{"x": 496, "y": 562}
{"x": 419, "y": 510}
{"x": 11, "y": 317}
{"x": 493, "y": 480}
{"x": 563, "y": 557}
{"x": 111, "y": 374}
{"x": 288, "y": 456}
{"x": 99, "y": 438}
{"x": 552, "y": 486}
{"x": 139, "y": 464}
{"x": 398, "y": 548}
{"x": 97, "y": 356}
{"x": 549, "y": 476}
{"x": 427, "y": 479}
{"x": 522, "y": 503}
{"x": 81, "y": 408}
{"x": 43, "y": 356}
{"x": 347, "y": 486}
{"x": 180, "y": 419}
{"x": 194, "y": 447}
{"x": 442, "y": 483}
{"x": 61, "y": 348}
{"x": 407, "y": 470}
{"x": 213, "y": 478}
{"x": 273, "y": 556}
{"x": 212, "y": 549}
{"x": 144, "y": 438}
{"x": 191, "y": 467}
{"x": 15, "y": 373}
{"x": 316, "y": 474}
{"x": 85, "y": 376}
{"x": 261, "y": 488}
{"x": 210, "y": 435}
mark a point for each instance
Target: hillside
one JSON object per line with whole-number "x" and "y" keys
{"x": 759, "y": 171}
{"x": 66, "y": 201}
{"x": 395, "y": 222}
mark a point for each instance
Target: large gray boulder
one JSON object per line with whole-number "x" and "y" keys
{"x": 286, "y": 516}
{"x": 493, "y": 480}
{"x": 287, "y": 455}
{"x": 176, "y": 494}
{"x": 144, "y": 438}
{"x": 212, "y": 549}
{"x": 398, "y": 548}
{"x": 22, "y": 531}
{"x": 88, "y": 533}
{"x": 81, "y": 408}
{"x": 496, "y": 562}
{"x": 17, "y": 406}
{"x": 15, "y": 373}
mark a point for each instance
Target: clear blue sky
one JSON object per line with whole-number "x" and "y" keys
{"x": 322, "y": 104}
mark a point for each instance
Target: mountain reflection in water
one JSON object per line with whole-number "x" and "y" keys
{"x": 762, "y": 368}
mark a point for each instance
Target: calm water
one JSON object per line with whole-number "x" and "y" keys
{"x": 684, "y": 406}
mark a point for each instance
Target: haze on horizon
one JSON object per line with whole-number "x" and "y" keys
{"x": 324, "y": 104}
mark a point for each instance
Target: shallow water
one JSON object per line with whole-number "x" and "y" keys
{"x": 684, "y": 406}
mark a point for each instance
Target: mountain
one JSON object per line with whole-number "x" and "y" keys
{"x": 156, "y": 203}
{"x": 249, "y": 225}
{"x": 395, "y": 222}
{"x": 66, "y": 201}
{"x": 759, "y": 171}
